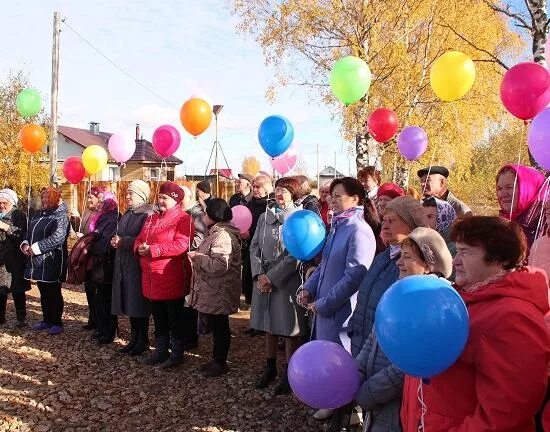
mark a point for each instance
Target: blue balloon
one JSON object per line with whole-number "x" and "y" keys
{"x": 422, "y": 325}
{"x": 275, "y": 135}
{"x": 304, "y": 234}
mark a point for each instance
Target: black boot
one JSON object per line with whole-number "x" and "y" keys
{"x": 268, "y": 375}
{"x": 161, "y": 353}
{"x": 282, "y": 387}
{"x": 176, "y": 356}
{"x": 142, "y": 342}
{"x": 3, "y": 303}
{"x": 133, "y": 338}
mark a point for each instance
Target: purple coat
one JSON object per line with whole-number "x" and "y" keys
{"x": 347, "y": 255}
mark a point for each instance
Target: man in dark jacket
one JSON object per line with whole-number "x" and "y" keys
{"x": 13, "y": 229}
{"x": 244, "y": 190}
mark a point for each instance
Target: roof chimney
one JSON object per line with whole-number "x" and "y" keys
{"x": 138, "y": 132}
{"x": 94, "y": 128}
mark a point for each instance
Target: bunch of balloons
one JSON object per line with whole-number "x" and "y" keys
{"x": 304, "y": 235}
{"x": 422, "y": 325}
{"x": 323, "y": 374}
{"x": 350, "y": 79}
{"x": 31, "y": 136}
{"x": 275, "y": 135}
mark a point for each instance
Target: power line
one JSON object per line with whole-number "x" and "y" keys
{"x": 138, "y": 82}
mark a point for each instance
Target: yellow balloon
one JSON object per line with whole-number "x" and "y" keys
{"x": 452, "y": 75}
{"x": 94, "y": 159}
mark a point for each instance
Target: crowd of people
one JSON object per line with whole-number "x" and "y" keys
{"x": 180, "y": 260}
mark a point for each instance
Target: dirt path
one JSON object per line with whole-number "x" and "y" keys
{"x": 68, "y": 383}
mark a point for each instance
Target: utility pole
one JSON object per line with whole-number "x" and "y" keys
{"x": 318, "y": 179}
{"x": 55, "y": 86}
{"x": 216, "y": 110}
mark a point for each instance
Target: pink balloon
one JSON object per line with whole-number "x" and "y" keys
{"x": 525, "y": 90}
{"x": 121, "y": 150}
{"x": 166, "y": 140}
{"x": 242, "y": 218}
{"x": 285, "y": 162}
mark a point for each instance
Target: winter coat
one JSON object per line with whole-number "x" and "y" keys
{"x": 196, "y": 212}
{"x": 127, "y": 297}
{"x": 162, "y": 272}
{"x": 101, "y": 253}
{"x": 87, "y": 217}
{"x": 347, "y": 255}
{"x": 381, "y": 275}
{"x": 10, "y": 252}
{"x": 498, "y": 382}
{"x": 216, "y": 287}
{"x": 47, "y": 236}
{"x": 381, "y": 388}
{"x": 257, "y": 207}
{"x": 461, "y": 209}
{"x": 276, "y": 312}
{"x": 311, "y": 203}
{"x": 239, "y": 199}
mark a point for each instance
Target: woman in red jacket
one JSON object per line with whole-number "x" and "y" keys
{"x": 162, "y": 246}
{"x": 499, "y": 381}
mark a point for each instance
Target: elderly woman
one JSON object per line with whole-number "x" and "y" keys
{"x": 162, "y": 246}
{"x": 370, "y": 178}
{"x": 46, "y": 247}
{"x": 100, "y": 275}
{"x": 277, "y": 277}
{"x": 348, "y": 253}
{"x": 386, "y": 193}
{"x": 324, "y": 201}
{"x": 519, "y": 194}
{"x": 423, "y": 252}
{"x": 498, "y": 383}
{"x": 306, "y": 200}
{"x": 440, "y": 215}
{"x": 261, "y": 189}
{"x": 13, "y": 229}
{"x": 127, "y": 298}
{"x": 216, "y": 282}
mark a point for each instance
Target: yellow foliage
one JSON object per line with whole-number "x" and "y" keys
{"x": 251, "y": 165}
{"x": 16, "y": 163}
{"x": 399, "y": 40}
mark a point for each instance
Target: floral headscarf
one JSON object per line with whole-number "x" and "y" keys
{"x": 446, "y": 215}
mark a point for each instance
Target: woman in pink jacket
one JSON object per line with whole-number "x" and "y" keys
{"x": 162, "y": 247}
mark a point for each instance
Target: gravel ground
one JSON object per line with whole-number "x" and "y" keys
{"x": 68, "y": 383}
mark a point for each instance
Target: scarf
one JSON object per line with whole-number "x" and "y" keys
{"x": 478, "y": 285}
{"x": 529, "y": 190}
{"x": 446, "y": 215}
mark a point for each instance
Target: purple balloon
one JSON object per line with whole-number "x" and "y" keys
{"x": 539, "y": 138}
{"x": 412, "y": 142}
{"x": 166, "y": 140}
{"x": 323, "y": 374}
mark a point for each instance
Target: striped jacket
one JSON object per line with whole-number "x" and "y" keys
{"x": 47, "y": 236}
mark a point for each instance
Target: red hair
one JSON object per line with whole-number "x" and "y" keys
{"x": 53, "y": 196}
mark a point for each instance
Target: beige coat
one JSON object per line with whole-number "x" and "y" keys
{"x": 216, "y": 287}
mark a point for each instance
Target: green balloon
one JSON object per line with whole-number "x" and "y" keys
{"x": 29, "y": 102}
{"x": 350, "y": 79}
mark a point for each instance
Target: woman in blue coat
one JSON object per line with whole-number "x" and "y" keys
{"x": 46, "y": 247}
{"x": 347, "y": 254}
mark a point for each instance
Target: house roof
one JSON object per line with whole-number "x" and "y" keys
{"x": 144, "y": 149}
{"x": 224, "y": 172}
{"x": 330, "y": 172}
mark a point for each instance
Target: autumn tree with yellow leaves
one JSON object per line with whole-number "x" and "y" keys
{"x": 15, "y": 162}
{"x": 251, "y": 165}
{"x": 399, "y": 41}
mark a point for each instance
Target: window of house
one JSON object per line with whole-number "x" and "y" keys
{"x": 114, "y": 173}
{"x": 155, "y": 174}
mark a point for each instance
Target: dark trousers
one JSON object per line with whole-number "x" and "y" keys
{"x": 52, "y": 303}
{"x": 106, "y": 322}
{"x": 190, "y": 319}
{"x": 19, "y": 301}
{"x": 247, "y": 283}
{"x": 221, "y": 334}
{"x": 88, "y": 287}
{"x": 168, "y": 318}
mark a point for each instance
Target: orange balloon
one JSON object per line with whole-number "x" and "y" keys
{"x": 32, "y": 137}
{"x": 195, "y": 116}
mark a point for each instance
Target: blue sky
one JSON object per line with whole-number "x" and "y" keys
{"x": 176, "y": 48}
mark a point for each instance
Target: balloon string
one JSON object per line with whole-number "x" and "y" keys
{"x": 29, "y": 194}
{"x": 86, "y": 193}
{"x": 523, "y": 130}
{"x": 423, "y": 408}
{"x": 546, "y": 190}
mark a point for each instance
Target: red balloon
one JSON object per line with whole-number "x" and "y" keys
{"x": 525, "y": 90}
{"x": 382, "y": 124}
{"x": 73, "y": 170}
